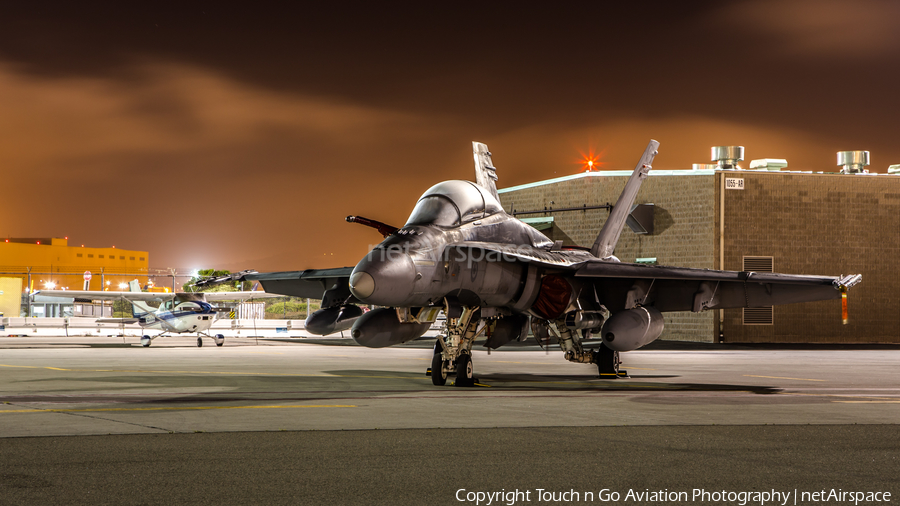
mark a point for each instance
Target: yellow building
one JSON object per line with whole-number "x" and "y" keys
{"x": 10, "y": 296}
{"x": 51, "y": 262}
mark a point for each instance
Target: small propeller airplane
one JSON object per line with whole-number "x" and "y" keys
{"x": 177, "y": 313}
{"x": 494, "y": 276}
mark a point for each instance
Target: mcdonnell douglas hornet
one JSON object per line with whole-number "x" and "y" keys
{"x": 494, "y": 277}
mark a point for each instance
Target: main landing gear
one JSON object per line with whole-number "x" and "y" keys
{"x": 608, "y": 363}
{"x": 606, "y": 359}
{"x": 218, "y": 338}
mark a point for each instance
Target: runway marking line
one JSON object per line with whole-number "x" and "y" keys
{"x": 188, "y": 408}
{"x": 876, "y": 399}
{"x": 869, "y": 402}
{"x": 774, "y": 377}
{"x": 212, "y": 372}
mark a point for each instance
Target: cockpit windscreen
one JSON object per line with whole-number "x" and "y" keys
{"x": 434, "y": 210}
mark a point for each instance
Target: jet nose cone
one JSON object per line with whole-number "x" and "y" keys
{"x": 384, "y": 282}
{"x": 362, "y": 285}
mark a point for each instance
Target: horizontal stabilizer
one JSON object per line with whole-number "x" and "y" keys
{"x": 122, "y": 321}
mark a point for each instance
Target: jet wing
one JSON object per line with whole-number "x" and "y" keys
{"x": 217, "y": 296}
{"x": 103, "y": 295}
{"x": 621, "y": 285}
{"x": 332, "y": 286}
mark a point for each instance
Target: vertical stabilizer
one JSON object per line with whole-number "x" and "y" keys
{"x": 485, "y": 173}
{"x": 138, "y": 308}
{"x": 609, "y": 235}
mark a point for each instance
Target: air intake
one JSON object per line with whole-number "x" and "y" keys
{"x": 727, "y": 157}
{"x": 853, "y": 162}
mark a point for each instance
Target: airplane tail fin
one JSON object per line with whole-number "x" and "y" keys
{"x": 609, "y": 235}
{"x": 138, "y": 308}
{"x": 485, "y": 173}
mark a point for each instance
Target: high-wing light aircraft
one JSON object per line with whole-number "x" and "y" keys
{"x": 177, "y": 312}
{"x": 495, "y": 276}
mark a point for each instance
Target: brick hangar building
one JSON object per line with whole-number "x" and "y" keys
{"x": 720, "y": 217}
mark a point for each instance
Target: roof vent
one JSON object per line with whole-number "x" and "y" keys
{"x": 727, "y": 157}
{"x": 853, "y": 162}
{"x": 894, "y": 169}
{"x": 704, "y": 166}
{"x": 769, "y": 164}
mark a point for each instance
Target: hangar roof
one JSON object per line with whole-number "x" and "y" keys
{"x": 678, "y": 172}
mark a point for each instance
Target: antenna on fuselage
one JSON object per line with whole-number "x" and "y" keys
{"x": 609, "y": 235}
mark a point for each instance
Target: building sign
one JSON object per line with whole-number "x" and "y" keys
{"x": 734, "y": 183}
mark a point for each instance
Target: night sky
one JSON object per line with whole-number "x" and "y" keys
{"x": 240, "y": 137}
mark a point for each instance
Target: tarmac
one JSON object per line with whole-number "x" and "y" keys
{"x": 314, "y": 421}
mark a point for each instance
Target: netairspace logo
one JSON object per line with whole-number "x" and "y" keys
{"x": 607, "y": 496}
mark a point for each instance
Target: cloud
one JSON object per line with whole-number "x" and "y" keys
{"x": 816, "y": 28}
{"x": 202, "y": 170}
{"x": 49, "y": 123}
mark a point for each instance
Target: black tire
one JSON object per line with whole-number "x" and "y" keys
{"x": 220, "y": 339}
{"x": 438, "y": 374}
{"x": 607, "y": 362}
{"x": 465, "y": 372}
{"x": 145, "y": 341}
{"x": 199, "y": 342}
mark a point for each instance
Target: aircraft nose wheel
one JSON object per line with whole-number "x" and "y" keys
{"x": 199, "y": 342}
{"x": 438, "y": 369}
{"x": 465, "y": 372}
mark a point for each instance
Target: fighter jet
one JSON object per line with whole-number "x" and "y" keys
{"x": 176, "y": 313}
{"x": 494, "y": 277}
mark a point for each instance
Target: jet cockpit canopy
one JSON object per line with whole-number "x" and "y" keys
{"x": 452, "y": 203}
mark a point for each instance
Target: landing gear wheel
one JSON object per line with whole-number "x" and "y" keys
{"x": 145, "y": 341}
{"x": 465, "y": 376}
{"x": 607, "y": 362}
{"x": 438, "y": 371}
{"x": 199, "y": 342}
{"x": 220, "y": 339}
